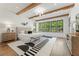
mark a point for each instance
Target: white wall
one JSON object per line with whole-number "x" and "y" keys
{"x": 74, "y": 13}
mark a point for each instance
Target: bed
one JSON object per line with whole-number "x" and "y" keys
{"x": 46, "y": 44}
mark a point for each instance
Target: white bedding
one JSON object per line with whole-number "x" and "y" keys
{"x": 26, "y": 37}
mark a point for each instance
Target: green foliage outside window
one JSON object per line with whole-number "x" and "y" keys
{"x": 60, "y": 26}
{"x": 51, "y": 26}
{"x": 54, "y": 26}
{"x": 44, "y": 26}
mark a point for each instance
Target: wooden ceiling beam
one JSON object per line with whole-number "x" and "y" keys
{"x": 29, "y": 7}
{"x": 53, "y": 17}
{"x": 58, "y": 9}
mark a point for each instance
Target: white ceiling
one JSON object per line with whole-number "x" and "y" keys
{"x": 8, "y": 11}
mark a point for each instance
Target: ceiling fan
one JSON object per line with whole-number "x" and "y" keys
{"x": 25, "y": 23}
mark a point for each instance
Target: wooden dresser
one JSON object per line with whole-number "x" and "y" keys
{"x": 75, "y": 44}
{"x": 8, "y": 36}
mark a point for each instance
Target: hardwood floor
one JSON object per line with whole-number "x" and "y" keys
{"x": 59, "y": 49}
{"x": 5, "y": 50}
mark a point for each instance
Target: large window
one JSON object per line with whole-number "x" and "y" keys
{"x": 54, "y": 26}
{"x": 60, "y": 26}
{"x": 51, "y": 26}
{"x": 44, "y": 26}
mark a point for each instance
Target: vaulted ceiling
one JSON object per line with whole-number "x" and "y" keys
{"x": 8, "y": 11}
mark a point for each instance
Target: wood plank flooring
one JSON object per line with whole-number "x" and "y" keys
{"x": 5, "y": 50}
{"x": 59, "y": 49}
